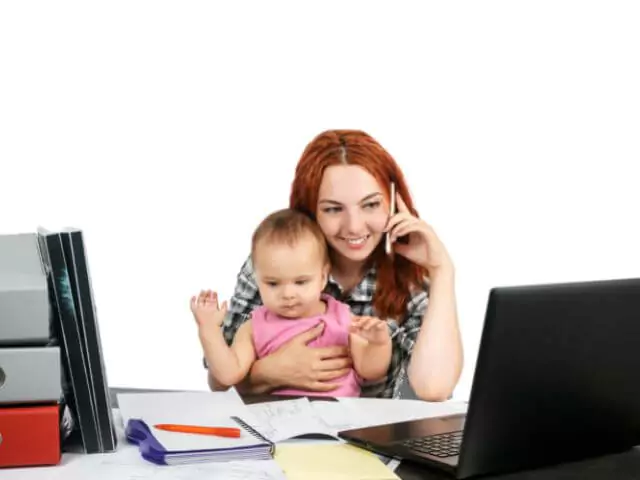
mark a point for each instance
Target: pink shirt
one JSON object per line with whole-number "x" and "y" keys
{"x": 270, "y": 331}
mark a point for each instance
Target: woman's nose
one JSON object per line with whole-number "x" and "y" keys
{"x": 354, "y": 222}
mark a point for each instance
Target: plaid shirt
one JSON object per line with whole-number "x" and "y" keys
{"x": 246, "y": 297}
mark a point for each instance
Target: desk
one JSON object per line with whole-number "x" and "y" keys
{"x": 623, "y": 466}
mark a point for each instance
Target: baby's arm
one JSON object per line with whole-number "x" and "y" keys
{"x": 229, "y": 365}
{"x": 371, "y": 347}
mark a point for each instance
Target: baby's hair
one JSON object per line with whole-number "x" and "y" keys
{"x": 288, "y": 226}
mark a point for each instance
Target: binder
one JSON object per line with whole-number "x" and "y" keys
{"x": 80, "y": 282}
{"x": 163, "y": 451}
{"x": 66, "y": 323}
{"x": 24, "y": 304}
{"x": 64, "y": 257}
{"x": 30, "y": 375}
{"x": 29, "y": 436}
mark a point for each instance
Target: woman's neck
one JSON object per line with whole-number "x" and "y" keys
{"x": 347, "y": 272}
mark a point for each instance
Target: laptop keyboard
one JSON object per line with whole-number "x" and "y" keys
{"x": 442, "y": 445}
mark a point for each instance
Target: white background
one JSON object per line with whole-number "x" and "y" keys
{"x": 153, "y": 126}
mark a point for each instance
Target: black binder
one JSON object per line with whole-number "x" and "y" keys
{"x": 65, "y": 323}
{"x": 77, "y": 265}
{"x": 64, "y": 257}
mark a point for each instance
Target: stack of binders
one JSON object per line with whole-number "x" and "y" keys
{"x": 31, "y": 399}
{"x": 53, "y": 386}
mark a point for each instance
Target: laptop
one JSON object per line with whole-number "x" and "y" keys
{"x": 556, "y": 380}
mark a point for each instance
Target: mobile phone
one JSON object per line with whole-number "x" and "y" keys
{"x": 392, "y": 211}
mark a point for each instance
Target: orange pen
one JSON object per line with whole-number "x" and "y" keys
{"x": 218, "y": 431}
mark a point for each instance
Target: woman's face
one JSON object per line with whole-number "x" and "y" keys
{"x": 352, "y": 211}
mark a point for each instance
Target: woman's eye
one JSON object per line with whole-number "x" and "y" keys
{"x": 332, "y": 210}
{"x": 372, "y": 205}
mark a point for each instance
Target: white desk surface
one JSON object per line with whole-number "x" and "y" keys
{"x": 127, "y": 464}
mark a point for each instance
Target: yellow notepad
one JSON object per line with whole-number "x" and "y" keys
{"x": 331, "y": 462}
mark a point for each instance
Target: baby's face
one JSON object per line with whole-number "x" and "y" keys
{"x": 291, "y": 277}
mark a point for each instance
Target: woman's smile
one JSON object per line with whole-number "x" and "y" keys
{"x": 355, "y": 242}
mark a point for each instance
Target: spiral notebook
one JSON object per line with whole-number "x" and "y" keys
{"x": 140, "y": 412}
{"x": 172, "y": 448}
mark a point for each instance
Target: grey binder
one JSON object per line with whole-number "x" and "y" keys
{"x": 24, "y": 300}
{"x": 30, "y": 374}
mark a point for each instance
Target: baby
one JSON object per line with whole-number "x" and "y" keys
{"x": 291, "y": 265}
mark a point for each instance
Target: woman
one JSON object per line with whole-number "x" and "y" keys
{"x": 342, "y": 181}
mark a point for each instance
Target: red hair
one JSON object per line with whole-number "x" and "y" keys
{"x": 396, "y": 276}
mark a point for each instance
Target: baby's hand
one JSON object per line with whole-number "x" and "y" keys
{"x": 372, "y": 329}
{"x": 206, "y": 310}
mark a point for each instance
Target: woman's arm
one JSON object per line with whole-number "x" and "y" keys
{"x": 263, "y": 377}
{"x": 436, "y": 357}
{"x": 436, "y": 360}
{"x": 296, "y": 365}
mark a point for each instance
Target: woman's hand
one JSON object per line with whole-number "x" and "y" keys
{"x": 299, "y": 366}
{"x": 424, "y": 248}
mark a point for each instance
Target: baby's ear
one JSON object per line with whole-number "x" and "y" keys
{"x": 325, "y": 274}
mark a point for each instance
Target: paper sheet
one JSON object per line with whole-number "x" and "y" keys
{"x": 331, "y": 462}
{"x": 284, "y": 419}
{"x": 336, "y": 416}
{"x": 380, "y": 411}
{"x": 128, "y": 465}
{"x": 179, "y": 404}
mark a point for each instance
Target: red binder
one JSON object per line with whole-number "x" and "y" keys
{"x": 29, "y": 435}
